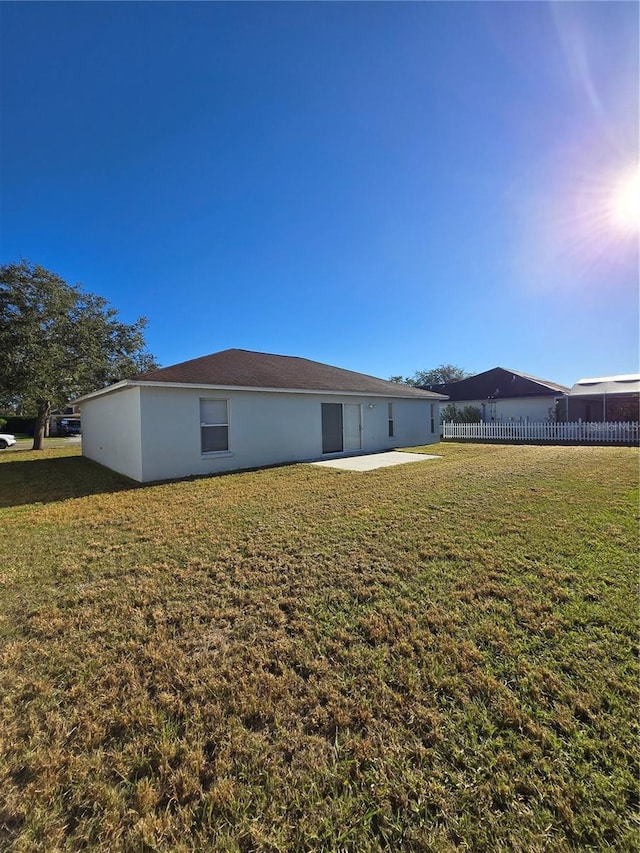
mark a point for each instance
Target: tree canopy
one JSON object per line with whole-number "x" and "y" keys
{"x": 436, "y": 376}
{"x": 58, "y": 342}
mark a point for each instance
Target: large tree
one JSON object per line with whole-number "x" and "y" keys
{"x": 436, "y": 376}
{"x": 58, "y": 342}
{"x": 440, "y": 375}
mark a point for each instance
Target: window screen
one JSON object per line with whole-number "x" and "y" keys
{"x": 214, "y": 426}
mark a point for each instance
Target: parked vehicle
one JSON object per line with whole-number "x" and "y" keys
{"x": 6, "y": 440}
{"x": 68, "y": 427}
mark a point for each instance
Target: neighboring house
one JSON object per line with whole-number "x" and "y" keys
{"x": 238, "y": 409}
{"x": 607, "y": 398}
{"x": 505, "y": 395}
{"x": 60, "y": 421}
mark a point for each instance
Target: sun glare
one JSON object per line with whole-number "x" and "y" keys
{"x": 625, "y": 202}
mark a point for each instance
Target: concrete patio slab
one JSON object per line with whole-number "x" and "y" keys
{"x": 371, "y": 461}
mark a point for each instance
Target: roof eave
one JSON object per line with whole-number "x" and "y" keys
{"x": 130, "y": 383}
{"x": 117, "y": 386}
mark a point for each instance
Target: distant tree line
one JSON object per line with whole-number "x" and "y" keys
{"x": 436, "y": 376}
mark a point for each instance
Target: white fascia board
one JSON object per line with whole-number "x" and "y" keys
{"x": 131, "y": 383}
{"x": 429, "y": 395}
{"x": 118, "y": 386}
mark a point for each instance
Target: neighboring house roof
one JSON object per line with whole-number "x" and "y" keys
{"x": 498, "y": 383}
{"x": 237, "y": 368}
{"x": 626, "y": 384}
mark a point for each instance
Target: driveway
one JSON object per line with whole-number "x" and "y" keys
{"x": 371, "y": 461}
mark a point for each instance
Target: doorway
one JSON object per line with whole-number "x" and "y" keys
{"x": 341, "y": 427}
{"x": 352, "y": 427}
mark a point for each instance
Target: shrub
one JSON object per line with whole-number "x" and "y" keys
{"x": 20, "y": 425}
{"x": 468, "y": 415}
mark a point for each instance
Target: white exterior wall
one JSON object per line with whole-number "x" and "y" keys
{"x": 533, "y": 409}
{"x": 265, "y": 428}
{"x": 111, "y": 431}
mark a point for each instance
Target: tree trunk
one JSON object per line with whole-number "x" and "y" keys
{"x": 44, "y": 409}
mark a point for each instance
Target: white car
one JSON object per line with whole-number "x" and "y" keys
{"x": 6, "y": 440}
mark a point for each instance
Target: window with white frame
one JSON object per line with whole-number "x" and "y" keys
{"x": 214, "y": 426}
{"x": 433, "y": 417}
{"x": 390, "y": 418}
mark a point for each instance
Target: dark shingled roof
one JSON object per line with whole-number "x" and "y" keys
{"x": 239, "y": 368}
{"x": 498, "y": 384}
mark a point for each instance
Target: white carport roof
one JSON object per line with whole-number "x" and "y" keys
{"x": 627, "y": 384}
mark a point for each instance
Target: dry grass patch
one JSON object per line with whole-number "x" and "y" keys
{"x": 428, "y": 657}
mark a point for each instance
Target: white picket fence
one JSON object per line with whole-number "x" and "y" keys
{"x": 580, "y": 432}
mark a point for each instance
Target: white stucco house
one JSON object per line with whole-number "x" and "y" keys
{"x": 503, "y": 395}
{"x": 238, "y": 409}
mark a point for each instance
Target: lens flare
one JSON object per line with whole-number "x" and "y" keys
{"x": 625, "y": 202}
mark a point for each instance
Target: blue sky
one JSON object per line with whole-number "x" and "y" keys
{"x": 381, "y": 186}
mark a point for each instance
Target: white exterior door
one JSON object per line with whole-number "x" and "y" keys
{"x": 352, "y": 427}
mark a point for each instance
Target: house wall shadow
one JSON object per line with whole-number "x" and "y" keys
{"x": 58, "y": 479}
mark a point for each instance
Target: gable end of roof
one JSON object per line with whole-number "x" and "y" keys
{"x": 499, "y": 383}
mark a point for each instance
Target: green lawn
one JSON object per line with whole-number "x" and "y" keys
{"x": 434, "y": 657}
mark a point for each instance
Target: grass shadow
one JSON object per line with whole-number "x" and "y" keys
{"x": 48, "y": 480}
